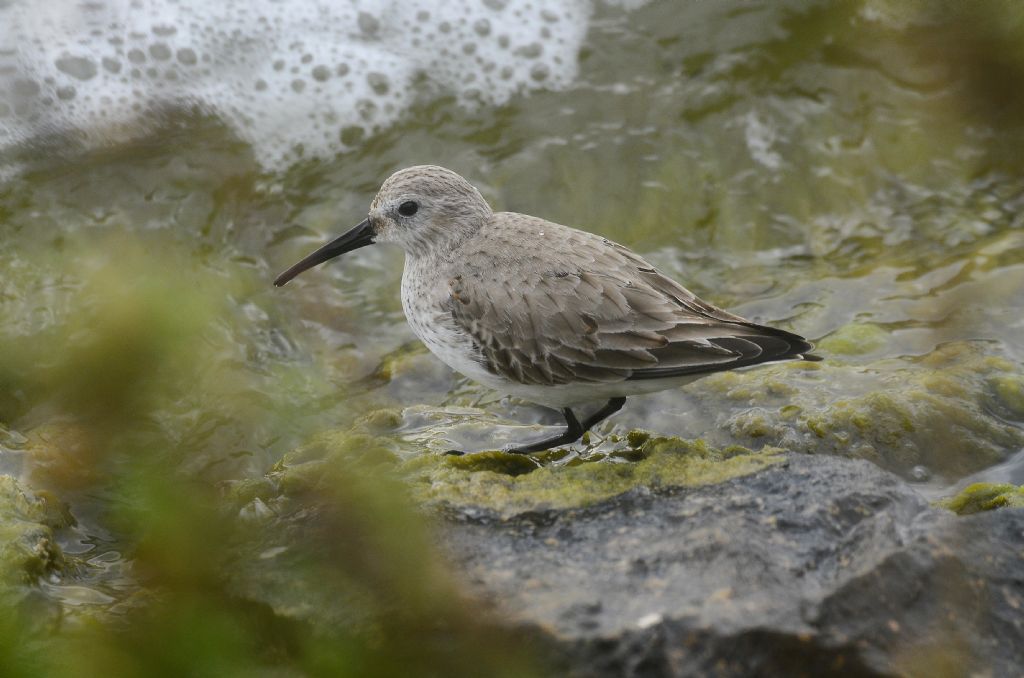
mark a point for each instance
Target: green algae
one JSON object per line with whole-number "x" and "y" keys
{"x": 510, "y": 484}
{"x": 985, "y": 497}
{"x": 1009, "y": 390}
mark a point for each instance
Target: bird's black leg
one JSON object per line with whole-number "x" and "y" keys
{"x": 610, "y": 408}
{"x": 573, "y": 431}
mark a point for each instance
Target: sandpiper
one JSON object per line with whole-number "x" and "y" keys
{"x": 545, "y": 312}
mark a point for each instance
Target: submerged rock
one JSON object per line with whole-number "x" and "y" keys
{"x": 811, "y": 566}
{"x": 954, "y": 411}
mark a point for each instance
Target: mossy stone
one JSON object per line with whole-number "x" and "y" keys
{"x": 1009, "y": 389}
{"x": 512, "y": 484}
{"x": 985, "y": 497}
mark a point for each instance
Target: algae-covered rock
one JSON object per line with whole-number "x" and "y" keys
{"x": 943, "y": 410}
{"x": 814, "y": 566}
{"x": 1009, "y": 393}
{"x": 985, "y": 497}
{"x": 354, "y": 480}
{"x": 511, "y": 483}
{"x": 651, "y": 556}
{"x": 27, "y": 521}
{"x": 495, "y": 480}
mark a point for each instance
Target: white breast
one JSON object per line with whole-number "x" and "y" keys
{"x": 424, "y": 305}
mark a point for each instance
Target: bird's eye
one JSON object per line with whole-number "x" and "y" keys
{"x": 408, "y": 208}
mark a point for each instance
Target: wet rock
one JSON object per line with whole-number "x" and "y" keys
{"x": 27, "y": 548}
{"x": 816, "y": 565}
{"x": 954, "y": 411}
{"x": 504, "y": 483}
{"x": 513, "y": 483}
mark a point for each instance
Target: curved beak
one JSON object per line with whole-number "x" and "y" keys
{"x": 360, "y": 236}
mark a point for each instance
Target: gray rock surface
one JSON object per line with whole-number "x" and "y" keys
{"x": 817, "y": 566}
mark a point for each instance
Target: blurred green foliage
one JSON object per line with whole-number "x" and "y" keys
{"x": 361, "y": 594}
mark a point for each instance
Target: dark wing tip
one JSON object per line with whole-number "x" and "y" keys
{"x": 798, "y": 348}
{"x": 762, "y": 345}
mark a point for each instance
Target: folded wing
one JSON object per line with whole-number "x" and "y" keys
{"x": 560, "y": 327}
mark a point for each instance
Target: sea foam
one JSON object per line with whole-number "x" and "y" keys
{"x": 293, "y": 78}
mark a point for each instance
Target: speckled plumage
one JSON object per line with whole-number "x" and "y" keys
{"x": 546, "y": 312}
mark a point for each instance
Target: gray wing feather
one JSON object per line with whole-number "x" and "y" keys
{"x": 613, "y": 318}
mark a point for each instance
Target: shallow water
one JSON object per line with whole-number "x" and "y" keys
{"x": 848, "y": 171}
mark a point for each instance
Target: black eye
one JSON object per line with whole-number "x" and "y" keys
{"x": 408, "y": 208}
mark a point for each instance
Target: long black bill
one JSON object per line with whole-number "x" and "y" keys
{"x": 360, "y": 236}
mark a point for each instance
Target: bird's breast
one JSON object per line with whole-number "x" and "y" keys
{"x": 425, "y": 303}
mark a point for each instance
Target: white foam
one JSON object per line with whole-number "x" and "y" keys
{"x": 761, "y": 137}
{"x": 292, "y": 77}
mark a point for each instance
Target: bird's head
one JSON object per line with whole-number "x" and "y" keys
{"x": 421, "y": 209}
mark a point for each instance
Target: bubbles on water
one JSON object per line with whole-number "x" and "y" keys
{"x": 285, "y": 74}
{"x": 368, "y": 24}
{"x": 378, "y": 83}
{"x": 160, "y": 51}
{"x": 321, "y": 73}
{"x": 187, "y": 57}
{"x": 77, "y": 67}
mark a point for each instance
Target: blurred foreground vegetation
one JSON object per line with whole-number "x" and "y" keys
{"x": 342, "y": 582}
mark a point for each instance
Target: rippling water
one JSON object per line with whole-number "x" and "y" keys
{"x": 850, "y": 171}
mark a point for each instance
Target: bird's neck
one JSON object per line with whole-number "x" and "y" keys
{"x": 443, "y": 245}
